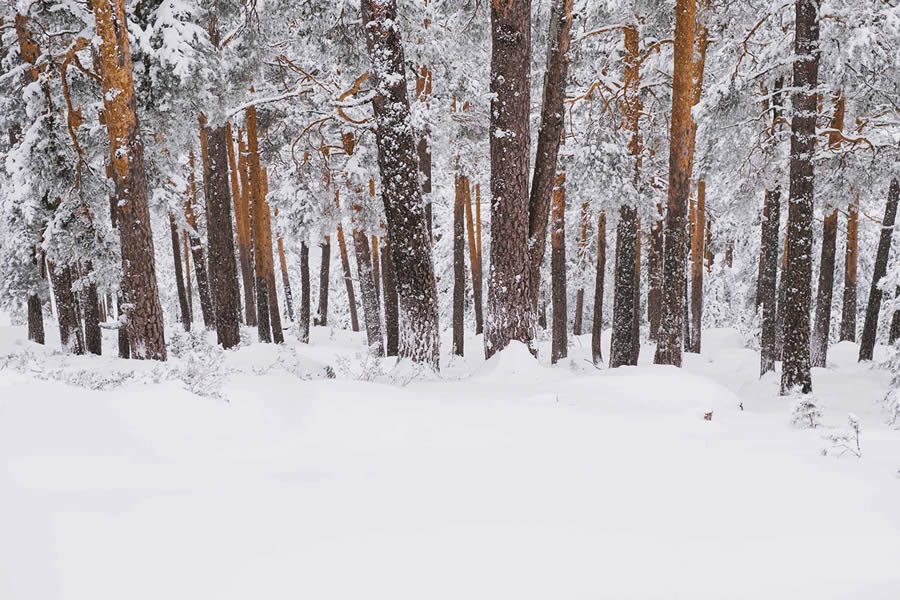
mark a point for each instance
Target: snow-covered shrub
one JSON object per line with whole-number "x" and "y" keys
{"x": 805, "y": 413}
{"x": 844, "y": 441}
{"x": 891, "y": 400}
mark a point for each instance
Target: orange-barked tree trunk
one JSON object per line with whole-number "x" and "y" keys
{"x": 146, "y": 332}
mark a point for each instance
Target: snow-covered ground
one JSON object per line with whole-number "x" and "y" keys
{"x": 506, "y": 479}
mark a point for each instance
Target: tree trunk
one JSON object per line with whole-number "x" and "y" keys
{"x": 848, "y": 309}
{"x": 894, "y": 334}
{"x": 870, "y": 326}
{"x": 474, "y": 230}
{"x": 762, "y": 251}
{"x": 459, "y": 266}
{"x": 348, "y": 278}
{"x": 582, "y": 258}
{"x": 187, "y": 275}
{"x": 771, "y": 223}
{"x": 70, "y": 335}
{"x": 324, "y": 271}
{"x": 411, "y": 254}
{"x": 245, "y": 241}
{"x": 223, "y": 272}
{"x": 779, "y": 311}
{"x": 274, "y": 311}
{"x": 822, "y": 327}
{"x": 597, "y": 327}
{"x": 376, "y": 268}
{"x": 144, "y": 313}
{"x": 560, "y": 345}
{"x": 697, "y": 253}
{"x": 179, "y": 275}
{"x": 795, "y": 373}
{"x": 258, "y": 214}
{"x": 655, "y": 275}
{"x": 636, "y": 321}
{"x": 621, "y": 350}
{"x": 93, "y": 336}
{"x": 35, "y": 319}
{"x": 367, "y": 286}
{"x": 197, "y": 250}
{"x": 668, "y": 349}
{"x": 304, "y": 294}
{"x": 285, "y": 280}
{"x": 391, "y": 308}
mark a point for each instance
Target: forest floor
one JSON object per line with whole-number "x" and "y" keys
{"x": 505, "y": 479}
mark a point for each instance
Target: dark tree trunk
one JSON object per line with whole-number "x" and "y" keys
{"x": 822, "y": 328}
{"x": 258, "y": 210}
{"x": 636, "y": 321}
{"x": 411, "y": 255}
{"x": 621, "y": 350}
{"x": 367, "y": 287}
{"x": 509, "y": 306}
{"x": 597, "y": 327}
{"x": 202, "y": 280}
{"x": 146, "y": 331}
{"x": 391, "y": 308}
{"x": 304, "y": 293}
{"x": 669, "y": 345}
{"x": 187, "y": 275}
{"x": 179, "y": 275}
{"x": 870, "y": 326}
{"x": 584, "y": 217}
{"x": 93, "y": 337}
{"x": 274, "y": 311}
{"x": 223, "y": 272}
{"x": 70, "y": 334}
{"x": 779, "y": 310}
{"x": 560, "y": 345}
{"x": 795, "y": 372}
{"x": 35, "y": 319}
{"x": 376, "y": 268}
{"x": 285, "y": 279}
{"x": 324, "y": 269}
{"x": 655, "y": 275}
{"x": 894, "y": 334}
{"x": 348, "y": 279}
{"x": 697, "y": 254}
{"x": 848, "y": 309}
{"x": 771, "y": 223}
{"x": 124, "y": 345}
{"x": 459, "y": 266}
{"x": 579, "y": 312}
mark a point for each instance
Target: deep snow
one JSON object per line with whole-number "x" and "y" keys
{"x": 500, "y": 479}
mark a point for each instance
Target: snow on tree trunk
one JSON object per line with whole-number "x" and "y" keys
{"x": 70, "y": 335}
{"x": 303, "y": 321}
{"x": 825, "y": 292}
{"x": 391, "y": 301}
{"x": 324, "y": 277}
{"x": 697, "y": 252}
{"x": 870, "y": 326}
{"x": 848, "y": 308}
{"x": 459, "y": 265}
{"x": 410, "y": 245}
{"x": 771, "y": 223}
{"x": 146, "y": 332}
{"x": 367, "y": 287}
{"x": 244, "y": 235}
{"x": 795, "y": 373}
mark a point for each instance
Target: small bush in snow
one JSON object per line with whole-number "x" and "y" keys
{"x": 891, "y": 400}
{"x": 846, "y": 441}
{"x": 805, "y": 413}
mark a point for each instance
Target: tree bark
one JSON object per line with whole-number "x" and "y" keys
{"x": 146, "y": 332}
{"x": 822, "y": 327}
{"x": 870, "y": 326}
{"x": 179, "y": 275}
{"x": 304, "y": 294}
{"x": 411, "y": 254}
{"x": 474, "y": 231}
{"x": 367, "y": 286}
{"x": 224, "y": 286}
{"x": 391, "y": 302}
{"x": 272, "y": 293}
{"x": 70, "y": 335}
{"x": 597, "y": 327}
{"x": 200, "y": 263}
{"x": 560, "y": 345}
{"x": 35, "y": 319}
{"x": 324, "y": 272}
{"x": 668, "y": 349}
{"x": 655, "y": 275}
{"x": 697, "y": 254}
{"x": 848, "y": 309}
{"x": 376, "y": 267}
{"x": 245, "y": 241}
{"x": 795, "y": 373}
{"x": 459, "y": 266}
{"x": 779, "y": 311}
{"x": 285, "y": 280}
{"x": 124, "y": 345}
{"x": 258, "y": 213}
{"x": 771, "y": 223}
{"x": 894, "y": 333}
{"x": 348, "y": 278}
{"x": 582, "y": 258}
{"x": 93, "y": 336}
{"x": 621, "y": 350}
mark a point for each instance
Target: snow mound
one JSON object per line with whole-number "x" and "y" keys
{"x": 513, "y": 363}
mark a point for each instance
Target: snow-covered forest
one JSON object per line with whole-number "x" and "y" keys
{"x": 449, "y": 299}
